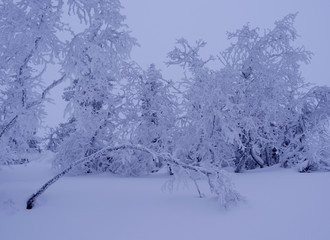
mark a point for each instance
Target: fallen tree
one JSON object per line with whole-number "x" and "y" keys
{"x": 218, "y": 181}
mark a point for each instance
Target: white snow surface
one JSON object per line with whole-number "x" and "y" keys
{"x": 280, "y": 204}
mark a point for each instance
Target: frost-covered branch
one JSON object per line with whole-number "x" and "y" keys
{"x": 32, "y": 104}
{"x": 28, "y": 43}
{"x": 8, "y": 126}
{"x": 219, "y": 183}
{"x": 46, "y": 91}
{"x": 90, "y": 158}
{"x": 51, "y": 86}
{"x": 186, "y": 54}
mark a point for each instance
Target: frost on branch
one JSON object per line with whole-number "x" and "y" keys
{"x": 28, "y": 45}
{"x": 218, "y": 181}
{"x": 187, "y": 55}
{"x": 315, "y": 125}
{"x": 254, "y": 111}
{"x": 265, "y": 72}
{"x": 97, "y": 62}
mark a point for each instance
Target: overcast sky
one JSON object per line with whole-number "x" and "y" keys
{"x": 158, "y": 23}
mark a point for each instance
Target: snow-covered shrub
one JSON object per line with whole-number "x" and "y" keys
{"x": 315, "y": 130}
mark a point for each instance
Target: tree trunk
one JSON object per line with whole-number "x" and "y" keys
{"x": 31, "y": 200}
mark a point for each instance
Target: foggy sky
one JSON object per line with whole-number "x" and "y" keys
{"x": 157, "y": 24}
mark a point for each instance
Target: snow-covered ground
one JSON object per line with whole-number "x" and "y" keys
{"x": 280, "y": 204}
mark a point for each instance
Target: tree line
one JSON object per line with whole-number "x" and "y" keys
{"x": 253, "y": 109}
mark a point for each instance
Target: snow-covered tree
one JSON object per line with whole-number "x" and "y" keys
{"x": 310, "y": 147}
{"x": 28, "y": 44}
{"x": 157, "y": 111}
{"x": 244, "y": 113}
{"x": 98, "y": 112}
{"x": 96, "y": 62}
{"x": 265, "y": 69}
{"x": 155, "y": 118}
{"x": 204, "y": 131}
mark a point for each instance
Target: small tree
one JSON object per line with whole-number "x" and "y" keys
{"x": 265, "y": 69}
{"x": 155, "y": 119}
{"x": 205, "y": 131}
{"x": 243, "y": 113}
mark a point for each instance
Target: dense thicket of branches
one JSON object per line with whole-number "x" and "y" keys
{"x": 254, "y": 110}
{"x": 28, "y": 44}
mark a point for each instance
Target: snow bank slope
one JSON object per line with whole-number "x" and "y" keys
{"x": 281, "y": 204}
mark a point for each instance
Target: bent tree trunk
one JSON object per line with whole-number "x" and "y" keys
{"x": 31, "y": 200}
{"x": 218, "y": 181}
{"x": 257, "y": 158}
{"x": 243, "y": 158}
